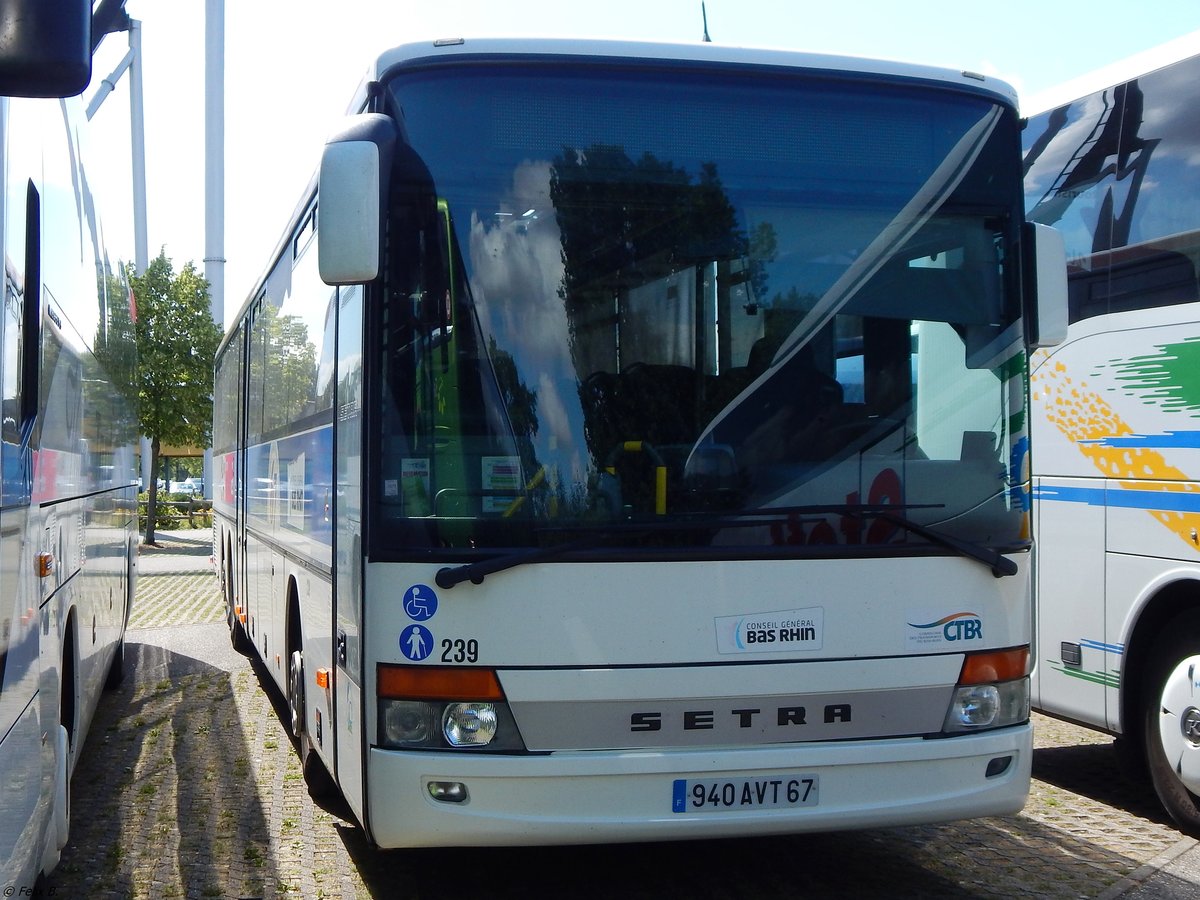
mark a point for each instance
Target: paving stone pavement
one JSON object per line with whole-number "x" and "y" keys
{"x": 189, "y": 787}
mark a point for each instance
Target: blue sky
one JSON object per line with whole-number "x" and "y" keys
{"x": 292, "y": 66}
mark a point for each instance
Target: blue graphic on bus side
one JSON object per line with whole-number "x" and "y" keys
{"x": 420, "y": 602}
{"x": 1166, "y": 501}
{"x": 296, "y": 494}
{"x": 1016, "y": 468}
{"x": 416, "y": 642}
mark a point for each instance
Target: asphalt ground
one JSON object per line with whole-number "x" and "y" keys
{"x": 189, "y": 787}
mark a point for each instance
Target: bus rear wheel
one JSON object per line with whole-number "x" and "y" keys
{"x": 237, "y": 631}
{"x": 1171, "y": 720}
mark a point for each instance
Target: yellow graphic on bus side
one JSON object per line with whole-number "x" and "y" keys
{"x": 1086, "y": 419}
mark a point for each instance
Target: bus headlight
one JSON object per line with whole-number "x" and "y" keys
{"x": 428, "y": 708}
{"x": 992, "y": 692}
{"x": 434, "y": 725}
{"x": 406, "y": 722}
{"x": 469, "y": 724}
{"x": 988, "y": 706}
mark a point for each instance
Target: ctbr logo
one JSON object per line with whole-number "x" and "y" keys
{"x": 960, "y": 626}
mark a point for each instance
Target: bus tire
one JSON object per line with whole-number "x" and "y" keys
{"x": 295, "y": 694}
{"x": 317, "y": 779}
{"x": 60, "y": 829}
{"x": 1171, "y": 720}
{"x": 116, "y": 670}
{"x": 237, "y": 632}
{"x": 1130, "y": 751}
{"x": 238, "y": 637}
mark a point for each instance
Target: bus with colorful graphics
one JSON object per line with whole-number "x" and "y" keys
{"x": 629, "y": 442}
{"x": 68, "y": 437}
{"x": 1116, "y": 419}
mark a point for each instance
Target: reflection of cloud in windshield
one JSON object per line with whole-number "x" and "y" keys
{"x": 516, "y": 276}
{"x": 552, "y": 412}
{"x": 516, "y": 264}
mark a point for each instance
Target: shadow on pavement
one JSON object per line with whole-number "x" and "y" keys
{"x": 995, "y": 857}
{"x": 164, "y": 798}
{"x": 852, "y": 864}
{"x": 1095, "y": 771}
{"x": 196, "y": 791}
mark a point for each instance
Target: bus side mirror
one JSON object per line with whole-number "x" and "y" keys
{"x": 351, "y": 198}
{"x": 1046, "y": 309}
{"x": 45, "y": 47}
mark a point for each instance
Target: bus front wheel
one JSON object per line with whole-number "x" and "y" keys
{"x": 316, "y": 777}
{"x": 1171, "y": 720}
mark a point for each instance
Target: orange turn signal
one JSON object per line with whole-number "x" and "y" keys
{"x": 322, "y": 678}
{"x": 436, "y": 683}
{"x": 44, "y": 563}
{"x": 995, "y": 665}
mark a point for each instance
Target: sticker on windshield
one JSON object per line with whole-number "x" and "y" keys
{"x": 501, "y": 482}
{"x": 771, "y": 632}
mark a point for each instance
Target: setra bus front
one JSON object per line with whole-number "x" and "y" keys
{"x": 694, "y": 444}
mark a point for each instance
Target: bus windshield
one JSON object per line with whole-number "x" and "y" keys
{"x": 667, "y": 298}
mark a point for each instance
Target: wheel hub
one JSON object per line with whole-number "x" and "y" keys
{"x": 1189, "y": 724}
{"x": 1179, "y": 722}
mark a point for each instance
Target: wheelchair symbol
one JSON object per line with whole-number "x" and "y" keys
{"x": 420, "y": 602}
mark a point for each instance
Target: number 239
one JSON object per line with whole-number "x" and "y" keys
{"x": 459, "y": 650}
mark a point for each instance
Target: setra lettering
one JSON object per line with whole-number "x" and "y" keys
{"x": 744, "y": 717}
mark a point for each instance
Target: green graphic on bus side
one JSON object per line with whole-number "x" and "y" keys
{"x": 1170, "y": 378}
{"x": 1108, "y": 679}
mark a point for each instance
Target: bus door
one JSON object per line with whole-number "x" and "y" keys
{"x": 235, "y": 486}
{"x": 258, "y": 503}
{"x": 349, "y": 714}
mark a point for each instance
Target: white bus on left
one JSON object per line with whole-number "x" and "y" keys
{"x": 68, "y": 504}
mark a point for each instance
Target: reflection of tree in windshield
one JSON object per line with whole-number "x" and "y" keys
{"x": 764, "y": 244}
{"x": 520, "y": 402}
{"x": 625, "y": 224}
{"x": 291, "y": 376}
{"x": 116, "y": 356}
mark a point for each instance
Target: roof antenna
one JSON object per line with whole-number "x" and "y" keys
{"x": 704, "y": 14}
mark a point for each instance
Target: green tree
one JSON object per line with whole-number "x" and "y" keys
{"x": 176, "y": 345}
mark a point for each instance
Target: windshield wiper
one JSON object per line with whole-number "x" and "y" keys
{"x": 594, "y": 535}
{"x": 475, "y": 572}
{"x": 999, "y": 564}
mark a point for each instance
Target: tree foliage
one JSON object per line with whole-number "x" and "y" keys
{"x": 176, "y": 345}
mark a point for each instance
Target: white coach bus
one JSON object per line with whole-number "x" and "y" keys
{"x": 68, "y": 505}
{"x": 1116, "y": 418}
{"x": 657, "y": 467}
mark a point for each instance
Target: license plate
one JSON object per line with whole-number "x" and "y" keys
{"x": 763, "y": 792}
